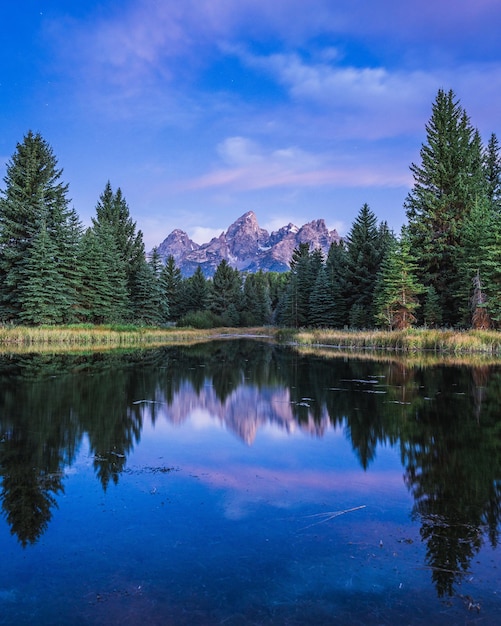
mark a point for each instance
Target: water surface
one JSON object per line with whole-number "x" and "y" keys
{"x": 242, "y": 483}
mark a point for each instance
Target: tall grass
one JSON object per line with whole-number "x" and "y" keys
{"x": 411, "y": 340}
{"x": 118, "y": 335}
{"x": 107, "y": 336}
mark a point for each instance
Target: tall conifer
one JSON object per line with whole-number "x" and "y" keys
{"x": 447, "y": 182}
{"x": 34, "y": 200}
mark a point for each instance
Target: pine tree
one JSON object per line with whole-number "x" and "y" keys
{"x": 155, "y": 262}
{"x": 69, "y": 241}
{"x": 322, "y": 305}
{"x": 366, "y": 245}
{"x": 432, "y": 311}
{"x": 492, "y": 169}
{"x": 256, "y": 310}
{"x": 478, "y": 237}
{"x": 448, "y": 181}
{"x": 104, "y": 296}
{"x": 172, "y": 284}
{"x": 34, "y": 199}
{"x": 196, "y": 292}
{"x": 149, "y": 299}
{"x": 112, "y": 210}
{"x": 226, "y": 294}
{"x": 336, "y": 272}
{"x": 490, "y": 272}
{"x": 397, "y": 289}
{"x": 43, "y": 298}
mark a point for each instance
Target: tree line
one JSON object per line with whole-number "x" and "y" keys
{"x": 442, "y": 269}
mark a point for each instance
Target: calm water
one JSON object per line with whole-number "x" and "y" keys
{"x": 242, "y": 483}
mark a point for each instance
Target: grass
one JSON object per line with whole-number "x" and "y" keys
{"x": 409, "y": 341}
{"x": 412, "y": 340}
{"x": 117, "y": 335}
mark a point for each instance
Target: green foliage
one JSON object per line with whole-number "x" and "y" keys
{"x": 42, "y": 296}
{"x": 447, "y": 183}
{"x": 322, "y": 301}
{"x": 196, "y": 292}
{"x": 148, "y": 296}
{"x": 200, "y": 319}
{"x": 432, "y": 311}
{"x": 34, "y": 219}
{"x": 104, "y": 296}
{"x": 171, "y": 282}
{"x": 256, "y": 310}
{"x": 397, "y": 289}
{"x": 492, "y": 169}
{"x": 226, "y": 294}
{"x": 366, "y": 247}
{"x": 336, "y": 271}
{"x": 294, "y": 307}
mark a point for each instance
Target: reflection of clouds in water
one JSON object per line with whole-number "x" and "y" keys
{"x": 201, "y": 419}
{"x": 282, "y": 488}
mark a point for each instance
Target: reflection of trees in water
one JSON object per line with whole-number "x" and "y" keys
{"x": 445, "y": 420}
{"x": 452, "y": 467}
{"x": 28, "y": 488}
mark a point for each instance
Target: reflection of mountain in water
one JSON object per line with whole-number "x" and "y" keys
{"x": 245, "y": 410}
{"x": 444, "y": 419}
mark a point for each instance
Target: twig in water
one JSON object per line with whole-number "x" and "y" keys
{"x": 331, "y": 515}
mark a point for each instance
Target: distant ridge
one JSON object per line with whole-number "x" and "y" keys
{"x": 246, "y": 246}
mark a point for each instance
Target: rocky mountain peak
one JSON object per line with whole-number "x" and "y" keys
{"x": 177, "y": 244}
{"x": 246, "y": 246}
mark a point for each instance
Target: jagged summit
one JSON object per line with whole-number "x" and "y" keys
{"x": 246, "y": 246}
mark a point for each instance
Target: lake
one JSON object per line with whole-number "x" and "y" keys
{"x": 242, "y": 482}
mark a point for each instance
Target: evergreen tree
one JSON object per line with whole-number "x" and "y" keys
{"x": 171, "y": 281}
{"x": 149, "y": 298}
{"x": 304, "y": 268}
{"x": 448, "y": 181}
{"x": 155, "y": 262}
{"x": 263, "y": 299}
{"x": 397, "y": 289}
{"x": 322, "y": 304}
{"x": 256, "y": 309}
{"x": 336, "y": 272}
{"x": 277, "y": 284}
{"x": 43, "y": 298}
{"x": 112, "y": 210}
{"x": 104, "y": 296}
{"x": 366, "y": 245}
{"x": 490, "y": 272}
{"x": 492, "y": 169}
{"x": 226, "y": 295}
{"x": 478, "y": 237}
{"x": 34, "y": 199}
{"x": 197, "y": 292}
{"x": 69, "y": 241}
{"x": 432, "y": 311}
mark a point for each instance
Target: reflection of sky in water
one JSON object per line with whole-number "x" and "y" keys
{"x": 235, "y": 512}
{"x": 283, "y": 470}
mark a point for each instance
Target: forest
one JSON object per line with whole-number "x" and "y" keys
{"x": 442, "y": 270}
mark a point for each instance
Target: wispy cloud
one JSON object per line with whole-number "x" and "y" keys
{"x": 246, "y": 165}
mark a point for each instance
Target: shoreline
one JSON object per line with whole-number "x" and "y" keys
{"x": 410, "y": 341}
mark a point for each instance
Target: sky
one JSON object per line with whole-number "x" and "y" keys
{"x": 202, "y": 110}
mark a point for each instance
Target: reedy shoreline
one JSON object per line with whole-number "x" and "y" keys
{"x": 451, "y": 342}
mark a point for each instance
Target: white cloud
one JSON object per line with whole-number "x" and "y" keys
{"x": 203, "y": 234}
{"x": 246, "y": 165}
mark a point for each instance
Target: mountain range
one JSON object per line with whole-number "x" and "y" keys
{"x": 246, "y": 246}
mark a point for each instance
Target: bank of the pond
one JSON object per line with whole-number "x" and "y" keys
{"x": 116, "y": 335}
{"x": 408, "y": 341}
{"x": 411, "y": 340}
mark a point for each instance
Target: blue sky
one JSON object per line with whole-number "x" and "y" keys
{"x": 201, "y": 110}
